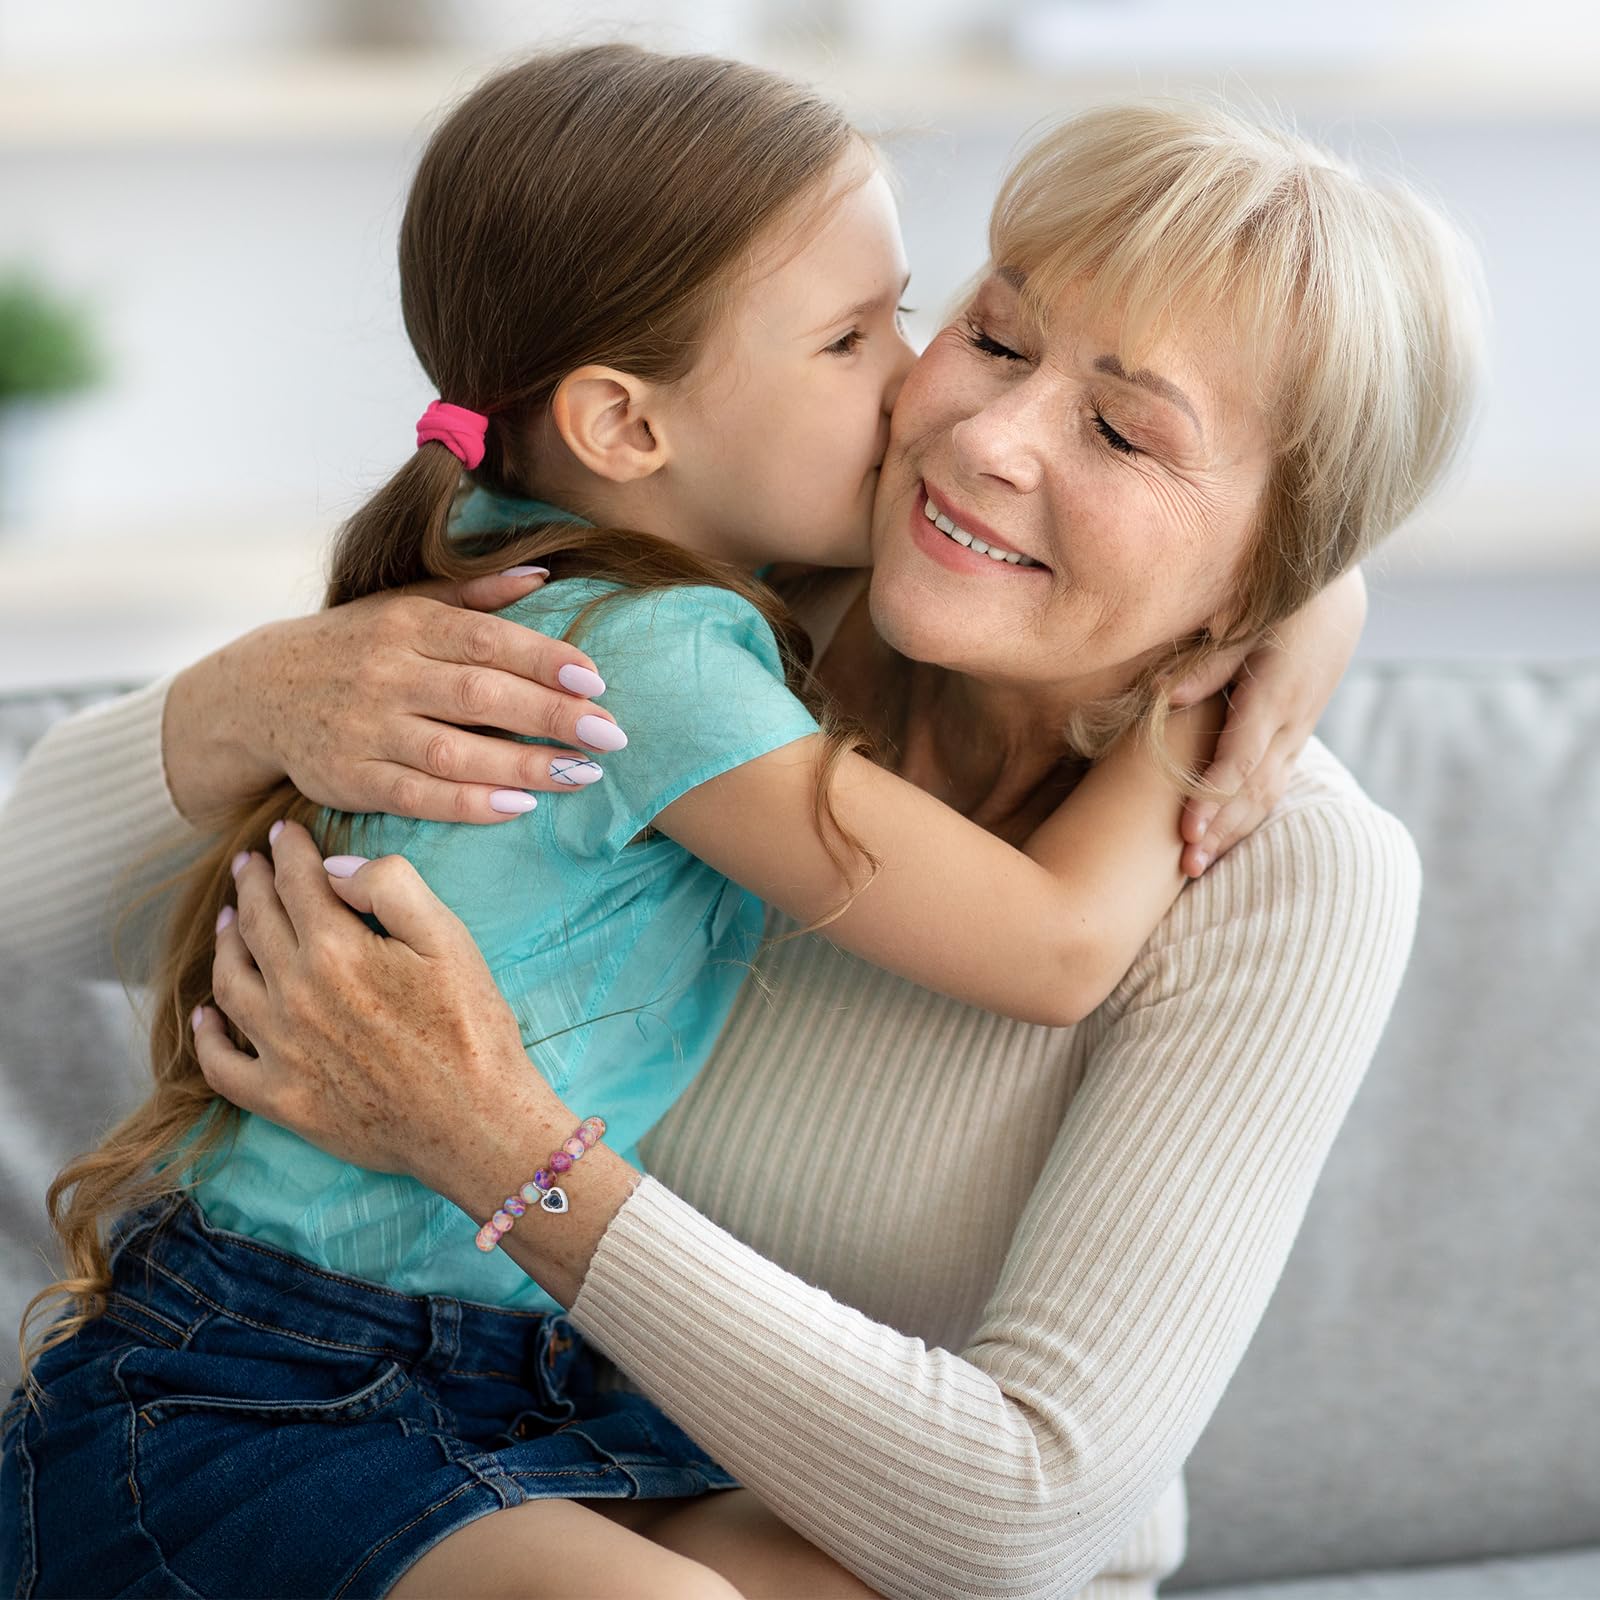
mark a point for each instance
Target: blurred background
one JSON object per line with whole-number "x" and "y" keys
{"x": 202, "y": 369}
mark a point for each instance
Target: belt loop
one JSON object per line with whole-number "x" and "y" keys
{"x": 444, "y": 1336}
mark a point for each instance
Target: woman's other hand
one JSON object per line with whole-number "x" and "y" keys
{"x": 396, "y": 1053}
{"x": 370, "y": 707}
{"x": 1279, "y": 692}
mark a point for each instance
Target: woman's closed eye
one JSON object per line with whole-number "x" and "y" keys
{"x": 980, "y": 340}
{"x": 1112, "y": 437}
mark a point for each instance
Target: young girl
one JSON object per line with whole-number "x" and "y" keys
{"x": 659, "y": 297}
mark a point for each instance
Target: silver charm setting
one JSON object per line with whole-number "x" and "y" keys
{"x": 553, "y": 1200}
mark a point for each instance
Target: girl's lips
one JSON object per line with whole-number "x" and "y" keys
{"x": 937, "y": 547}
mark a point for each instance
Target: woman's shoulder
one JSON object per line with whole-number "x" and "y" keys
{"x": 1328, "y": 856}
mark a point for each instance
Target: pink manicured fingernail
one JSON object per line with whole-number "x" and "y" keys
{"x": 196, "y": 1017}
{"x": 273, "y": 832}
{"x": 580, "y": 680}
{"x": 599, "y": 734}
{"x": 1201, "y": 862}
{"x": 239, "y": 861}
{"x": 526, "y": 572}
{"x": 224, "y": 917}
{"x": 345, "y": 866}
{"x": 575, "y": 771}
{"x": 511, "y": 802}
{"x": 1204, "y": 823}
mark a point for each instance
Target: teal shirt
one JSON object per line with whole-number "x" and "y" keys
{"x": 621, "y": 955}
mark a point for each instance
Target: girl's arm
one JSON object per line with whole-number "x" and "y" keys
{"x": 1279, "y": 691}
{"x": 1043, "y": 933}
{"x": 1046, "y": 933}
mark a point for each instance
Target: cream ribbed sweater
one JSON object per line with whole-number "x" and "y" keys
{"x": 955, "y": 1294}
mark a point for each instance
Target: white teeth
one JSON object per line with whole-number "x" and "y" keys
{"x": 978, "y": 547}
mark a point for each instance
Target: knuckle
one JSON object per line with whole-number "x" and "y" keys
{"x": 440, "y": 757}
{"x": 405, "y": 795}
{"x": 476, "y": 694}
{"x": 478, "y": 641}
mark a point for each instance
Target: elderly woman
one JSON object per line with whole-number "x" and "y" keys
{"x": 952, "y": 1295}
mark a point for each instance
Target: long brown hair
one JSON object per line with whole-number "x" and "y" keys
{"x": 591, "y": 206}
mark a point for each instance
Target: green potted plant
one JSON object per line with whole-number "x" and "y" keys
{"x": 47, "y": 352}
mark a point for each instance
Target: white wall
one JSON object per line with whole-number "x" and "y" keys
{"x": 260, "y": 377}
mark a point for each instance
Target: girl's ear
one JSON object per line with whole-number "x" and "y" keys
{"x": 610, "y": 421}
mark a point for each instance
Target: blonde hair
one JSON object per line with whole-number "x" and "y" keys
{"x": 596, "y": 205}
{"x": 1364, "y": 300}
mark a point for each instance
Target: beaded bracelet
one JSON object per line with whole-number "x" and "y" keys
{"x": 542, "y": 1188}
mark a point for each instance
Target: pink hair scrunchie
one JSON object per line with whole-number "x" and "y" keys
{"x": 459, "y": 430}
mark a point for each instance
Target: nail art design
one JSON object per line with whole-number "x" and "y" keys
{"x": 575, "y": 771}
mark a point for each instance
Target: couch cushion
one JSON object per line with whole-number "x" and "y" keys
{"x": 1572, "y": 1575}
{"x": 1425, "y": 1386}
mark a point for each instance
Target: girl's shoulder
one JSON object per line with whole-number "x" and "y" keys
{"x": 686, "y": 635}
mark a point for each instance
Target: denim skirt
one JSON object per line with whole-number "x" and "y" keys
{"x": 240, "y": 1422}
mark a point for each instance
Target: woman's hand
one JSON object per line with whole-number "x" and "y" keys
{"x": 398, "y": 1054}
{"x": 1279, "y": 691}
{"x": 369, "y": 706}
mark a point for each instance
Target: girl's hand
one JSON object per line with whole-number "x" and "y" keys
{"x": 1279, "y": 691}
{"x": 370, "y": 707}
{"x": 398, "y": 1053}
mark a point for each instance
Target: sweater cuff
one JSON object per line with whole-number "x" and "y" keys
{"x": 131, "y": 744}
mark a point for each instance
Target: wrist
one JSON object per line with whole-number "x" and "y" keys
{"x": 212, "y": 742}
{"x": 493, "y": 1156}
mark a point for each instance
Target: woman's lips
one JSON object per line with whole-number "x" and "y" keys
{"x": 939, "y": 546}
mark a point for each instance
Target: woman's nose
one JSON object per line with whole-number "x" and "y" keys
{"x": 998, "y": 442}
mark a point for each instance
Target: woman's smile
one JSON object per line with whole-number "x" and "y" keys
{"x": 956, "y": 540}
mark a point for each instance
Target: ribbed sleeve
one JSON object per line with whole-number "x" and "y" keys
{"x": 1214, "y": 1082}
{"x": 88, "y": 827}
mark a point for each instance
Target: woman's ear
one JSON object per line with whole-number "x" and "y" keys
{"x": 610, "y": 421}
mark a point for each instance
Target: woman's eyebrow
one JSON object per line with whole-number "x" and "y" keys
{"x": 860, "y": 308}
{"x": 1154, "y": 382}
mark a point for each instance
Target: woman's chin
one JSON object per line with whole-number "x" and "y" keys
{"x": 914, "y": 621}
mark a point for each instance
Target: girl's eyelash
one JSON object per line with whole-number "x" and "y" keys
{"x": 845, "y": 344}
{"x": 1112, "y": 437}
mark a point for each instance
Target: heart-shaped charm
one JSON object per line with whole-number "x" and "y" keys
{"x": 554, "y": 1200}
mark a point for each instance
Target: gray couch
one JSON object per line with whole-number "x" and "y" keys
{"x": 1418, "y": 1417}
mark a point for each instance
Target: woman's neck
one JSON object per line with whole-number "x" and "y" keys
{"x": 986, "y": 750}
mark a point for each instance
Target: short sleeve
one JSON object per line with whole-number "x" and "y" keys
{"x": 693, "y": 677}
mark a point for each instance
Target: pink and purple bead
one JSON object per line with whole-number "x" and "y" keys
{"x": 575, "y": 1147}
{"x": 560, "y": 1161}
{"x": 513, "y": 1205}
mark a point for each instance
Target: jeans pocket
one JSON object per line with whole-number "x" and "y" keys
{"x": 260, "y": 1373}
